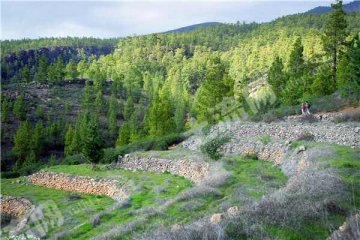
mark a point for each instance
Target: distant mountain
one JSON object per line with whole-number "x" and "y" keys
{"x": 192, "y": 27}
{"x": 349, "y": 7}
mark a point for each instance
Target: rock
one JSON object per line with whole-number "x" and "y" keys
{"x": 357, "y": 129}
{"x": 300, "y": 149}
{"x": 216, "y": 218}
{"x": 175, "y": 227}
{"x": 232, "y": 211}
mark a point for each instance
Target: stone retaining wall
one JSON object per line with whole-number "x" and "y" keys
{"x": 81, "y": 184}
{"x": 15, "y": 206}
{"x": 245, "y": 133}
{"x": 195, "y": 171}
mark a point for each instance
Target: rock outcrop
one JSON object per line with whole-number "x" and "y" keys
{"x": 81, "y": 184}
{"x": 195, "y": 171}
{"x": 15, "y": 206}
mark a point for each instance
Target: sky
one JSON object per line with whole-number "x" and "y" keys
{"x": 104, "y": 19}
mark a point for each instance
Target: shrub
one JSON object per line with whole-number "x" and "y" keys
{"x": 270, "y": 117}
{"x": 309, "y": 118}
{"x": 306, "y": 136}
{"x": 212, "y": 147}
{"x": 349, "y": 117}
{"x": 73, "y": 196}
{"x": 154, "y": 143}
{"x": 206, "y": 129}
{"x": 265, "y": 139}
{"x": 74, "y": 159}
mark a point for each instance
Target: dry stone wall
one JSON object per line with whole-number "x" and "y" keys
{"x": 15, "y": 206}
{"x": 247, "y": 133}
{"x": 81, "y": 184}
{"x": 195, "y": 171}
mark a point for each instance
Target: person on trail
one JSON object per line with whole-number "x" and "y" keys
{"x": 307, "y": 105}
{"x": 303, "y": 109}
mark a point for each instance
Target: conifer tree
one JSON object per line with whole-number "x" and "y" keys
{"x": 82, "y": 68}
{"x": 19, "y": 109}
{"x": 38, "y": 139}
{"x": 5, "y": 109}
{"x": 349, "y": 71}
{"x": 68, "y": 141}
{"x": 335, "y": 35}
{"x": 93, "y": 145}
{"x": 41, "y": 70}
{"x": 211, "y": 92}
{"x": 100, "y": 104}
{"x": 71, "y": 70}
{"x": 129, "y": 108}
{"x": 87, "y": 99}
{"x": 124, "y": 135}
{"x": 23, "y": 142}
{"x": 112, "y": 115}
{"x": 276, "y": 76}
{"x": 59, "y": 69}
{"x": 25, "y": 74}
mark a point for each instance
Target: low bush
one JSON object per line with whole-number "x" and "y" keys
{"x": 153, "y": 143}
{"x": 308, "y": 118}
{"x": 265, "y": 139}
{"x": 212, "y": 147}
{"x": 74, "y": 159}
{"x": 349, "y": 117}
{"x": 306, "y": 136}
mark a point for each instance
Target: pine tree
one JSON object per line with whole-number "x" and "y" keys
{"x": 93, "y": 145}
{"x": 23, "y": 142}
{"x": 25, "y": 74}
{"x": 211, "y": 92}
{"x": 87, "y": 98}
{"x": 335, "y": 35}
{"x": 76, "y": 143}
{"x": 82, "y": 67}
{"x": 100, "y": 104}
{"x": 124, "y": 135}
{"x": 295, "y": 86}
{"x": 129, "y": 108}
{"x": 112, "y": 115}
{"x": 349, "y": 71}
{"x": 19, "y": 109}
{"x": 296, "y": 61}
{"x": 51, "y": 73}
{"x": 59, "y": 69}
{"x": 71, "y": 70}
{"x": 179, "y": 117}
{"x": 38, "y": 139}
{"x": 277, "y": 76}
{"x": 41, "y": 70}
{"x": 5, "y": 109}
{"x": 68, "y": 141}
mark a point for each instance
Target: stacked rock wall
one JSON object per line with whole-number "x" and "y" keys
{"x": 81, "y": 184}
{"x": 15, "y": 206}
{"x": 195, "y": 171}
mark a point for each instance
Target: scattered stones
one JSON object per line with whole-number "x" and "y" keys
{"x": 300, "y": 149}
{"x": 233, "y": 211}
{"x": 216, "y": 218}
{"x": 175, "y": 227}
{"x": 15, "y": 206}
{"x": 81, "y": 184}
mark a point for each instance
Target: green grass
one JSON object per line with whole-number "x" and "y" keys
{"x": 142, "y": 184}
{"x": 74, "y": 211}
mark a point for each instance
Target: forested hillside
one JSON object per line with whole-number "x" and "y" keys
{"x": 160, "y": 85}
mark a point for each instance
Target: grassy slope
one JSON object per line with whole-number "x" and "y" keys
{"x": 250, "y": 181}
